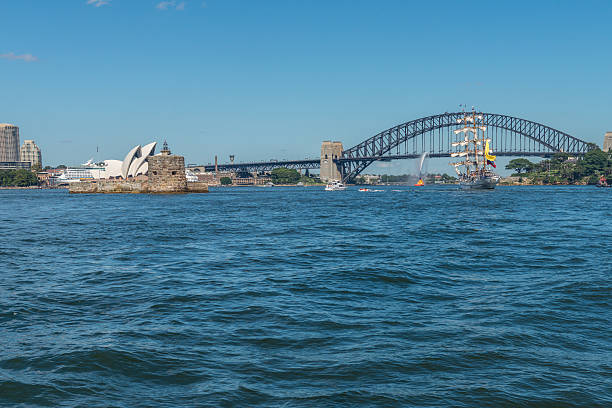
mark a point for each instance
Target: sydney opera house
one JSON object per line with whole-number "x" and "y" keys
{"x": 134, "y": 164}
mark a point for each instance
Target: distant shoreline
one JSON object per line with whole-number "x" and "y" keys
{"x": 263, "y": 185}
{"x": 316, "y": 185}
{"x": 32, "y": 188}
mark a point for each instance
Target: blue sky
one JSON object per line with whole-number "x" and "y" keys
{"x": 272, "y": 79}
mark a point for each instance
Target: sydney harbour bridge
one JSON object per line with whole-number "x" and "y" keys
{"x": 510, "y": 136}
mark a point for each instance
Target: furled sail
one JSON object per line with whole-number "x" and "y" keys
{"x": 471, "y": 129}
{"x": 465, "y": 129}
{"x": 463, "y": 163}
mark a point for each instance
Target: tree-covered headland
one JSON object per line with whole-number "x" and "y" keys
{"x": 284, "y": 175}
{"x": 17, "y": 178}
{"x": 411, "y": 178}
{"x": 565, "y": 169}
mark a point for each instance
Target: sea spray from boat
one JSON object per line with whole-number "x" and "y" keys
{"x": 421, "y": 170}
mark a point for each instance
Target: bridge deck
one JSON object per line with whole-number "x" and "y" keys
{"x": 315, "y": 163}
{"x": 263, "y": 166}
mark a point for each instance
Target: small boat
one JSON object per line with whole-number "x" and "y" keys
{"x": 419, "y": 183}
{"x": 603, "y": 182}
{"x": 364, "y": 189}
{"x": 335, "y": 185}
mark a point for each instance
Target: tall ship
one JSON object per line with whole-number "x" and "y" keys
{"x": 474, "y": 170}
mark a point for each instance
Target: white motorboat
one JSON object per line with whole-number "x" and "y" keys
{"x": 335, "y": 185}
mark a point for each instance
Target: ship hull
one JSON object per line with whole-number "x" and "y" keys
{"x": 483, "y": 183}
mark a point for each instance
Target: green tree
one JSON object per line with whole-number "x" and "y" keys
{"x": 519, "y": 165}
{"x": 225, "y": 181}
{"x": 558, "y": 158}
{"x": 404, "y": 178}
{"x": 576, "y": 171}
{"x": 593, "y": 179}
{"x": 595, "y": 161}
{"x": 61, "y": 166}
{"x": 17, "y": 178}
{"x": 308, "y": 180}
{"x": 448, "y": 179}
{"x": 283, "y": 175}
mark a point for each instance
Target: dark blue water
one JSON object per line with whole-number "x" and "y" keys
{"x": 296, "y": 297}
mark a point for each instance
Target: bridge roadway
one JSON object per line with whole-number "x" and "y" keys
{"x": 316, "y": 163}
{"x": 262, "y": 166}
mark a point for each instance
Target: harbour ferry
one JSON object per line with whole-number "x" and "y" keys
{"x": 474, "y": 170}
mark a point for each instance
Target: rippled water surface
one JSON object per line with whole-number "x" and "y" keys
{"x": 296, "y": 297}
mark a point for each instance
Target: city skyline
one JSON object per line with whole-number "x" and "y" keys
{"x": 275, "y": 79}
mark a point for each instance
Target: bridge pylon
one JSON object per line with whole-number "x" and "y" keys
{"x": 607, "y": 144}
{"x": 330, "y": 168}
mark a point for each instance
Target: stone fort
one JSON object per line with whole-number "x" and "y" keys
{"x": 166, "y": 175}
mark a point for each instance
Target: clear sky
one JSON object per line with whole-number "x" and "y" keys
{"x": 272, "y": 79}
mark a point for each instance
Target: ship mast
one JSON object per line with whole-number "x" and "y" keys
{"x": 471, "y": 123}
{"x": 475, "y": 141}
{"x": 467, "y": 145}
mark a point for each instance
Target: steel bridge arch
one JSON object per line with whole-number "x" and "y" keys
{"x": 378, "y": 147}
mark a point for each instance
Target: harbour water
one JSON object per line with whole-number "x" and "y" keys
{"x": 297, "y": 297}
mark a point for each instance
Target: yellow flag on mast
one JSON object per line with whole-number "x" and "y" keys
{"x": 488, "y": 155}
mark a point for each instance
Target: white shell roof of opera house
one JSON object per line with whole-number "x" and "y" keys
{"x": 135, "y": 163}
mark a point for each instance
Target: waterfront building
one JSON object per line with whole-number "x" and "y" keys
{"x": 45, "y": 178}
{"x": 191, "y": 176}
{"x": 244, "y": 181}
{"x": 29, "y": 152}
{"x": 16, "y": 165}
{"x": 371, "y": 178}
{"x": 210, "y": 178}
{"x": 9, "y": 143}
{"x": 607, "y": 145}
